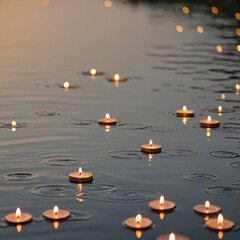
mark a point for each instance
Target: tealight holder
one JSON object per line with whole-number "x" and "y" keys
{"x": 117, "y": 78}
{"x": 151, "y": 148}
{"x": 18, "y": 217}
{"x": 185, "y": 112}
{"x": 107, "y": 120}
{"x": 220, "y": 224}
{"x": 138, "y": 222}
{"x": 80, "y": 176}
{"x": 206, "y": 209}
{"x": 161, "y": 205}
{"x": 209, "y": 123}
{"x": 56, "y": 214}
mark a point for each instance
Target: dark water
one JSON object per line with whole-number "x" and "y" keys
{"x": 45, "y": 43}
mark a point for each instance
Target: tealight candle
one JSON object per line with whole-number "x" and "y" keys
{"x": 207, "y": 208}
{"x": 18, "y": 217}
{"x": 209, "y": 123}
{"x": 107, "y": 120}
{"x": 185, "y": 112}
{"x": 92, "y": 72}
{"x": 172, "y": 236}
{"x": 151, "y": 148}
{"x": 80, "y": 176}
{"x": 56, "y": 214}
{"x": 161, "y": 205}
{"x": 138, "y": 222}
{"x": 117, "y": 78}
{"x": 220, "y": 224}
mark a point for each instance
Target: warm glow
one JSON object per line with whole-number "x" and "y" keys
{"x": 161, "y": 201}
{"x": 93, "y": 71}
{"x": 161, "y": 215}
{"x": 107, "y": 116}
{"x": 19, "y": 227}
{"x": 185, "y": 10}
{"x": 138, "y": 218}
{"x": 200, "y": 29}
{"x": 55, "y": 210}
{"x": 214, "y": 10}
{"x": 220, "y": 108}
{"x": 208, "y": 132}
{"x": 207, "y": 218}
{"x": 209, "y": 119}
{"x": 179, "y": 28}
{"x": 66, "y": 85}
{"x": 184, "y": 108}
{"x": 238, "y": 87}
{"x": 238, "y": 48}
{"x": 172, "y": 236}
{"x": 220, "y": 235}
{"x": 138, "y": 234}
{"x": 223, "y": 96}
{"x": 116, "y": 77}
{"x": 80, "y": 170}
{"x": 56, "y": 224}
{"x": 207, "y": 205}
{"x": 238, "y": 31}
{"x": 150, "y": 142}
{"x": 108, "y": 3}
{"x": 220, "y": 219}
{"x": 184, "y": 120}
{"x": 18, "y": 213}
{"x": 45, "y": 2}
{"x": 237, "y": 15}
{"x": 219, "y": 48}
{"x": 107, "y": 128}
{"x": 14, "y": 124}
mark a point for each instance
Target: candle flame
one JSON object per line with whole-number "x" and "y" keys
{"x": 107, "y": 116}
{"x": 66, "y": 85}
{"x": 209, "y": 119}
{"x": 93, "y": 71}
{"x": 207, "y": 205}
{"x": 138, "y": 218}
{"x": 80, "y": 170}
{"x": 55, "y": 210}
{"x": 220, "y": 219}
{"x": 161, "y": 201}
{"x": 220, "y": 108}
{"x": 172, "y": 236}
{"x": 14, "y": 124}
{"x": 18, "y": 213}
{"x": 238, "y": 87}
{"x": 150, "y": 142}
{"x": 184, "y": 108}
{"x": 116, "y": 77}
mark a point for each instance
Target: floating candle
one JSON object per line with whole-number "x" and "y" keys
{"x": 56, "y": 214}
{"x": 80, "y": 176}
{"x": 161, "y": 205}
{"x": 209, "y": 123}
{"x": 66, "y": 85}
{"x": 107, "y": 120}
{"x": 207, "y": 208}
{"x": 116, "y": 78}
{"x": 151, "y": 148}
{"x": 138, "y": 222}
{"x": 18, "y": 217}
{"x": 220, "y": 224}
{"x": 92, "y": 72}
{"x": 185, "y": 112}
{"x": 172, "y": 236}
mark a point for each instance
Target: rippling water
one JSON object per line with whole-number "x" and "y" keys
{"x": 45, "y": 43}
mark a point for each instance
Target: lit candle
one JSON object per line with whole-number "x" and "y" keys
{"x": 219, "y": 223}
{"x": 209, "y": 123}
{"x": 107, "y": 120}
{"x": 161, "y": 205}
{"x": 185, "y": 10}
{"x": 117, "y": 78}
{"x": 237, "y": 87}
{"x": 56, "y": 214}
{"x": 206, "y": 209}
{"x": 80, "y": 176}
{"x": 151, "y": 148}
{"x": 66, "y": 85}
{"x": 172, "y": 236}
{"x": 14, "y": 124}
{"x": 185, "y": 112}
{"x": 138, "y": 222}
{"x": 18, "y": 217}
{"x": 200, "y": 29}
{"x": 93, "y": 72}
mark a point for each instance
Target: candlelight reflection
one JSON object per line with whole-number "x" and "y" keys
{"x": 220, "y": 235}
{"x": 208, "y": 132}
{"x": 107, "y": 128}
{"x": 184, "y": 120}
{"x": 237, "y": 16}
{"x": 185, "y": 10}
{"x": 219, "y": 48}
{"x": 223, "y": 96}
{"x": 200, "y": 29}
{"x": 214, "y": 10}
{"x": 19, "y": 228}
{"x": 138, "y": 234}
{"x": 56, "y": 224}
{"x": 161, "y": 215}
{"x": 238, "y": 31}
{"x": 179, "y": 28}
